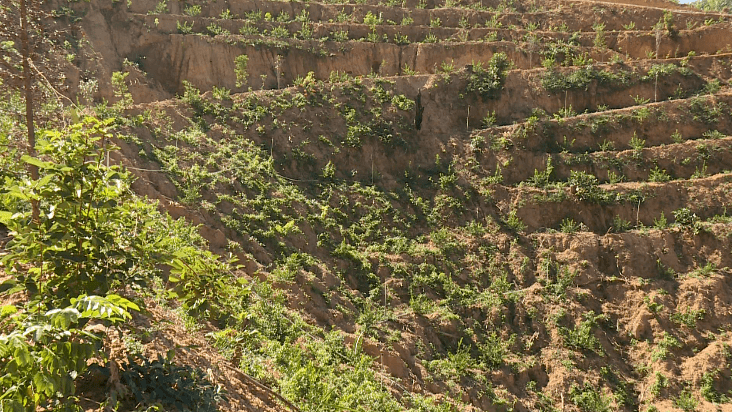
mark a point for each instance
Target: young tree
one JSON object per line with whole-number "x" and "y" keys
{"x": 29, "y": 38}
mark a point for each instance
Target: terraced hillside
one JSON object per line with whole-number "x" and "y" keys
{"x": 470, "y": 205}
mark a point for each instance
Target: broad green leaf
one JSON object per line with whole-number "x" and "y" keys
{"x": 22, "y": 356}
{"x": 63, "y": 318}
{"x": 5, "y": 217}
{"x": 8, "y": 310}
{"x": 36, "y": 162}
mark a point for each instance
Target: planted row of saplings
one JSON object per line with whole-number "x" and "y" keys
{"x": 666, "y": 122}
{"x": 569, "y": 19}
{"x": 688, "y": 160}
{"x": 622, "y": 206}
{"x": 634, "y": 44}
{"x": 602, "y": 87}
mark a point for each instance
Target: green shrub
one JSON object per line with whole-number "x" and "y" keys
{"x": 686, "y": 401}
{"x": 588, "y": 398}
{"x": 488, "y": 82}
{"x": 193, "y": 10}
{"x": 493, "y": 352}
{"x": 707, "y": 389}
{"x": 664, "y": 345}
{"x": 705, "y": 111}
{"x": 162, "y": 383}
{"x": 587, "y": 188}
{"x": 685, "y": 217}
{"x": 555, "y": 81}
{"x": 240, "y": 69}
{"x": 568, "y": 225}
{"x": 542, "y": 179}
{"x": 184, "y": 28}
{"x": 581, "y": 337}
{"x": 514, "y": 222}
{"x": 688, "y": 317}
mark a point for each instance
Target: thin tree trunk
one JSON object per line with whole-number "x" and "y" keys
{"x": 28, "y": 86}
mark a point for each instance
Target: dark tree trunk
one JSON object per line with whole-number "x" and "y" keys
{"x": 28, "y": 89}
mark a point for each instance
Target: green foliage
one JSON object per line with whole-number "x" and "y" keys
{"x": 42, "y": 354}
{"x": 588, "y": 398}
{"x": 402, "y": 102}
{"x": 557, "y": 279}
{"x": 659, "y": 383}
{"x": 184, "y": 28}
{"x": 490, "y": 119}
{"x": 193, "y": 10}
{"x": 663, "y": 346}
{"x": 568, "y": 225}
{"x": 514, "y": 222}
{"x": 581, "y": 337}
{"x": 587, "y": 188}
{"x": 706, "y": 111}
{"x": 686, "y": 401}
{"x": 707, "y": 389}
{"x": 543, "y": 179}
{"x": 493, "y": 352}
{"x": 216, "y": 30}
{"x": 372, "y": 20}
{"x": 685, "y": 217}
{"x": 665, "y": 70}
{"x": 160, "y": 8}
{"x": 666, "y": 22}
{"x": 636, "y": 143}
{"x": 92, "y": 236}
{"x": 599, "y": 40}
{"x": 555, "y": 81}
{"x": 713, "y": 5}
{"x": 240, "y": 69}
{"x": 121, "y": 92}
{"x": 658, "y": 175}
{"x": 488, "y": 82}
{"x": 80, "y": 242}
{"x": 688, "y": 317}
{"x": 456, "y": 365}
{"x": 620, "y": 225}
{"x": 661, "y": 222}
{"x": 279, "y": 32}
{"x": 163, "y": 384}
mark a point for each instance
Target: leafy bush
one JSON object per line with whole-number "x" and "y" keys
{"x": 581, "y": 337}
{"x": 664, "y": 345}
{"x": 488, "y": 82}
{"x": 685, "y": 217}
{"x": 686, "y": 401}
{"x": 713, "y": 5}
{"x": 184, "y": 28}
{"x": 708, "y": 390}
{"x": 688, "y": 317}
{"x": 82, "y": 241}
{"x": 494, "y": 350}
{"x": 589, "y": 399}
{"x": 164, "y": 384}
{"x": 587, "y": 188}
{"x": 43, "y": 353}
{"x": 240, "y": 69}
{"x": 568, "y": 225}
{"x": 92, "y": 236}
{"x": 658, "y": 175}
{"x": 542, "y": 179}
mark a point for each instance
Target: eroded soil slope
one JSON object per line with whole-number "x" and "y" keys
{"x": 472, "y": 205}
